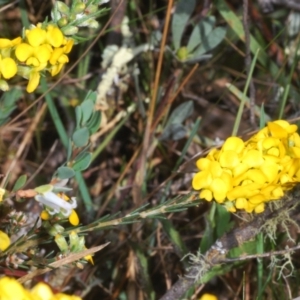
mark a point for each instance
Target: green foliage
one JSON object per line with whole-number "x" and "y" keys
{"x": 144, "y": 272}
{"x": 217, "y": 223}
{"x": 21, "y": 181}
{"x": 223, "y": 223}
{"x": 79, "y": 14}
{"x": 247, "y": 248}
{"x": 82, "y": 161}
{"x": 80, "y": 137}
{"x": 204, "y": 36}
{"x": 174, "y": 128}
{"x": 8, "y": 104}
{"x": 202, "y": 29}
{"x": 88, "y": 120}
{"x": 65, "y": 173}
{"x": 181, "y": 16}
{"x": 174, "y": 237}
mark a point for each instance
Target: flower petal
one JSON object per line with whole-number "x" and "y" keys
{"x": 34, "y": 80}
{"x": 4, "y": 241}
{"x": 8, "y": 68}
{"x": 73, "y": 218}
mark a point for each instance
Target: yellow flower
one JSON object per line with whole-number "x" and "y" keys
{"x": 11, "y": 289}
{"x": 8, "y": 67}
{"x": 208, "y": 297}
{"x": 246, "y": 175}
{"x": 4, "y": 241}
{"x": 54, "y": 36}
{"x": 2, "y": 192}
{"x": 36, "y": 36}
{"x": 34, "y": 80}
{"x": 73, "y": 218}
{"x": 33, "y": 55}
{"x": 45, "y": 215}
{"x": 43, "y": 49}
{"x": 89, "y": 258}
{"x": 6, "y": 43}
{"x": 42, "y": 291}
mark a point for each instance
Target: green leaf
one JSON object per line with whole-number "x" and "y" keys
{"x": 78, "y": 114}
{"x": 173, "y": 132}
{"x": 223, "y": 220}
{"x": 200, "y": 32}
{"x": 245, "y": 248}
{"x": 211, "y": 41}
{"x": 69, "y": 150}
{"x": 208, "y": 237}
{"x": 143, "y": 270}
{"x": 7, "y": 104}
{"x": 175, "y": 237}
{"x": 196, "y": 59}
{"x": 87, "y": 108}
{"x": 83, "y": 163}
{"x": 20, "y": 183}
{"x": 65, "y": 173}
{"x": 181, "y": 113}
{"x": 92, "y": 96}
{"x": 184, "y": 9}
{"x": 262, "y": 119}
{"x": 94, "y": 123}
{"x": 81, "y": 137}
{"x": 44, "y": 188}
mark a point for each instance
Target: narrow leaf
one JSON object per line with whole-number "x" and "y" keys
{"x": 181, "y": 16}
{"x": 83, "y": 163}
{"x": 200, "y": 31}
{"x": 173, "y": 132}
{"x": 211, "y": 41}
{"x": 94, "y": 123}
{"x": 181, "y": 113}
{"x": 20, "y": 183}
{"x": 87, "y": 108}
{"x": 175, "y": 237}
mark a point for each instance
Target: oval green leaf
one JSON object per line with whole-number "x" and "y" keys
{"x": 20, "y": 183}
{"x": 81, "y": 137}
{"x": 87, "y": 108}
{"x": 83, "y": 163}
{"x": 65, "y": 173}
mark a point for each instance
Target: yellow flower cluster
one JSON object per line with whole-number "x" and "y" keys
{"x": 246, "y": 175}
{"x": 43, "y": 47}
{"x": 11, "y": 289}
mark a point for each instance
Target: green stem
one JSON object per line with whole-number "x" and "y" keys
{"x": 88, "y": 203}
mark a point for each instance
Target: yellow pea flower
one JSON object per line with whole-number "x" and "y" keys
{"x": 34, "y": 80}
{"x": 54, "y": 36}
{"x": 8, "y": 67}
{"x": 11, "y": 289}
{"x": 73, "y": 218}
{"x": 42, "y": 291}
{"x": 4, "y": 241}
{"x": 6, "y": 43}
{"x": 208, "y": 297}
{"x": 2, "y": 192}
{"x": 36, "y": 36}
{"x": 246, "y": 175}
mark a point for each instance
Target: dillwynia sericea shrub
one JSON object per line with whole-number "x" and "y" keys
{"x": 247, "y": 175}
